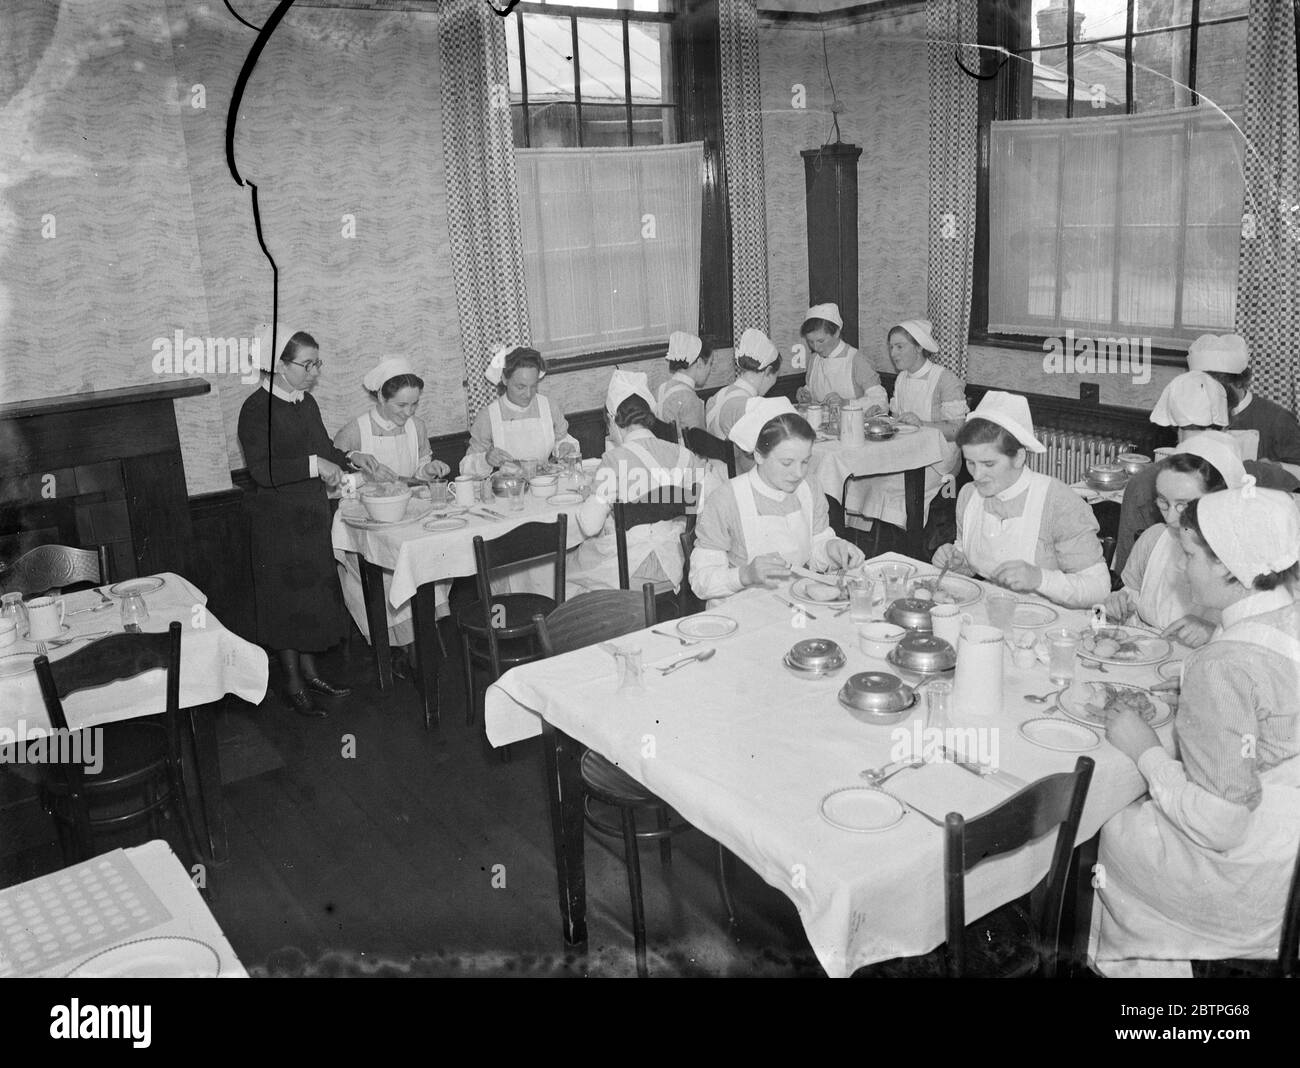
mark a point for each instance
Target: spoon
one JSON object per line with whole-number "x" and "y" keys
{"x": 1036, "y": 699}
{"x": 697, "y": 658}
{"x": 935, "y": 584}
{"x": 665, "y": 634}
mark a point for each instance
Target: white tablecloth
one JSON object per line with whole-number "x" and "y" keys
{"x": 746, "y": 752}
{"x": 832, "y": 462}
{"x": 416, "y": 556}
{"x": 42, "y": 903}
{"x": 214, "y": 662}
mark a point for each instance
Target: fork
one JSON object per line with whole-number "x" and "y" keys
{"x": 875, "y": 776}
{"x": 665, "y": 634}
{"x": 59, "y": 643}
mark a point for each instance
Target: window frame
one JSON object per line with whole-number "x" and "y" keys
{"x": 1004, "y": 88}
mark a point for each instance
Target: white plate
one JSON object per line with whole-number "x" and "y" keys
{"x": 963, "y": 591}
{"x": 355, "y": 515}
{"x": 1170, "y": 670}
{"x": 707, "y": 626}
{"x": 799, "y": 591}
{"x": 1072, "y": 707}
{"x": 861, "y": 809}
{"x": 1151, "y": 647}
{"x": 27, "y": 634}
{"x": 1063, "y": 735}
{"x": 16, "y": 664}
{"x": 454, "y": 522}
{"x": 1031, "y": 614}
{"x": 443, "y": 511}
{"x": 152, "y": 958}
{"x": 137, "y": 585}
{"x": 566, "y": 498}
{"x": 905, "y": 428}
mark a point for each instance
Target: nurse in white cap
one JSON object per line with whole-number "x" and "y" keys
{"x": 688, "y": 370}
{"x": 1025, "y": 531}
{"x": 1226, "y": 358}
{"x": 759, "y": 525}
{"x": 521, "y": 424}
{"x": 757, "y": 365}
{"x": 838, "y": 373}
{"x": 639, "y": 466}
{"x": 1200, "y": 871}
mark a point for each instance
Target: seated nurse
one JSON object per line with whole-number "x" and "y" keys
{"x": 521, "y": 424}
{"x": 1020, "y": 529}
{"x": 753, "y": 529}
{"x": 1199, "y": 869}
{"x": 1156, "y": 590}
{"x": 837, "y": 373}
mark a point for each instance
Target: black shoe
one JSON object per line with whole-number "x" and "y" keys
{"x": 327, "y": 688}
{"x": 302, "y": 703}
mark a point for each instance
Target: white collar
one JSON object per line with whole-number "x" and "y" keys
{"x": 1016, "y": 488}
{"x": 1256, "y": 604}
{"x": 292, "y": 396}
{"x": 763, "y": 489}
{"x": 380, "y": 421}
{"x": 752, "y": 390}
{"x": 842, "y": 349}
{"x": 920, "y": 372}
{"x": 684, "y": 376}
{"x": 510, "y": 406}
{"x": 1245, "y": 400}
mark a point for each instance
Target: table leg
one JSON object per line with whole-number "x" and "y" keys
{"x": 564, "y": 789}
{"x": 203, "y": 734}
{"x": 914, "y": 495}
{"x": 423, "y": 615}
{"x": 372, "y": 589}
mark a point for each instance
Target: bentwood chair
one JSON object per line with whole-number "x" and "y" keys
{"x": 668, "y": 503}
{"x": 666, "y": 431}
{"x": 501, "y": 635}
{"x": 587, "y": 619}
{"x": 54, "y": 567}
{"x": 1011, "y": 941}
{"x": 704, "y": 444}
{"x": 142, "y": 772}
{"x": 1287, "y": 964}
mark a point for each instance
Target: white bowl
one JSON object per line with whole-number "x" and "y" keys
{"x": 544, "y": 485}
{"x": 879, "y": 639}
{"x": 386, "y": 509}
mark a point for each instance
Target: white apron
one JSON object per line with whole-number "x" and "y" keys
{"x": 401, "y": 452}
{"x": 833, "y": 374}
{"x": 1169, "y": 900}
{"x": 789, "y": 535}
{"x": 1165, "y": 596}
{"x": 988, "y": 541}
{"x": 719, "y": 401}
{"x": 532, "y": 438}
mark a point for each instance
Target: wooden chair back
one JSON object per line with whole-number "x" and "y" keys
{"x": 668, "y": 502}
{"x": 53, "y": 567}
{"x": 1055, "y": 801}
{"x": 666, "y": 431}
{"x": 704, "y": 444}
{"x": 595, "y": 617}
{"x": 526, "y": 543}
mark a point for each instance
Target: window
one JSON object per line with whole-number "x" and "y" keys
{"x": 1119, "y": 209}
{"x": 583, "y": 77}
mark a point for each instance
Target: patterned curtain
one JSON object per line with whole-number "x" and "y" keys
{"x": 742, "y": 145}
{"x": 482, "y": 195}
{"x": 1268, "y": 295}
{"x": 954, "y": 128}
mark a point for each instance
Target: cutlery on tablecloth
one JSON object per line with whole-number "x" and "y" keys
{"x": 699, "y": 657}
{"x": 492, "y": 513}
{"x": 984, "y": 771}
{"x": 59, "y": 643}
{"x": 875, "y": 776}
{"x": 92, "y": 608}
{"x": 1040, "y": 699}
{"x": 665, "y": 634}
{"x": 796, "y": 607}
{"x": 104, "y": 597}
{"x": 911, "y": 807}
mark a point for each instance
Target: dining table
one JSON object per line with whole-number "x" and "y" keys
{"x": 214, "y": 663}
{"x": 750, "y": 754}
{"x": 418, "y": 558}
{"x": 910, "y": 451}
{"x": 128, "y": 913}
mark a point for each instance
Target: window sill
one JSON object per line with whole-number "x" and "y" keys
{"x": 589, "y": 360}
{"x": 1160, "y": 356}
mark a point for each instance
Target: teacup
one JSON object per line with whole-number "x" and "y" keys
{"x": 44, "y": 618}
{"x": 947, "y": 620}
{"x": 464, "y": 491}
{"x": 8, "y": 632}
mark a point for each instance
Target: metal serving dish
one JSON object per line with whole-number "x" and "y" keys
{"x": 879, "y": 429}
{"x": 1134, "y": 463}
{"x": 924, "y": 654}
{"x": 911, "y": 614}
{"x": 876, "y": 697}
{"x": 1107, "y": 476}
{"x": 816, "y": 654}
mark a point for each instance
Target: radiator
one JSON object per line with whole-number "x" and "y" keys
{"x": 1069, "y": 456}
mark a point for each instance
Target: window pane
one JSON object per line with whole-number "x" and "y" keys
{"x": 512, "y": 57}
{"x": 1210, "y": 277}
{"x": 1152, "y": 178}
{"x": 1148, "y": 269}
{"x": 600, "y": 62}
{"x": 552, "y": 125}
{"x": 1220, "y": 66}
{"x": 1099, "y": 76}
{"x": 654, "y": 126}
{"x": 1050, "y": 85}
{"x": 651, "y": 56}
{"x": 1152, "y": 15}
{"x": 604, "y": 125}
{"x": 1160, "y": 65}
{"x": 1101, "y": 18}
{"x": 1087, "y": 253}
{"x": 1218, "y": 9}
{"x": 1047, "y": 22}
{"x": 549, "y": 50}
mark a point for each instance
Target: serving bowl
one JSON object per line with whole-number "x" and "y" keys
{"x": 879, "y": 429}
{"x": 910, "y": 613}
{"x": 876, "y": 697}
{"x": 385, "y": 501}
{"x": 1107, "y": 476}
{"x": 879, "y": 639}
{"x": 816, "y": 654}
{"x": 925, "y": 654}
{"x": 544, "y": 485}
{"x": 1133, "y": 462}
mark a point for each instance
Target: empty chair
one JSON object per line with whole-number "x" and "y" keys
{"x": 54, "y": 567}
{"x": 1009, "y": 941}
{"x": 142, "y": 773}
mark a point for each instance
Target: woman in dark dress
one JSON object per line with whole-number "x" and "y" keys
{"x": 292, "y": 462}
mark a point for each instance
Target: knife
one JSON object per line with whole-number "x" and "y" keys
{"x": 825, "y": 580}
{"x": 1002, "y": 778}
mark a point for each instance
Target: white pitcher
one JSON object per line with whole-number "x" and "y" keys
{"x": 977, "y": 683}
{"x": 852, "y": 425}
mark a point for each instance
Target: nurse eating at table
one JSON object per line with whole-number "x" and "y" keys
{"x": 759, "y": 525}
{"x": 1200, "y": 869}
{"x": 521, "y": 424}
{"x": 837, "y": 373}
{"x": 1020, "y": 529}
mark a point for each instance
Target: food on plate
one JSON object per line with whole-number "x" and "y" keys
{"x": 817, "y": 591}
{"x": 383, "y": 489}
{"x": 1112, "y": 644}
{"x": 939, "y": 595}
{"x": 1100, "y": 701}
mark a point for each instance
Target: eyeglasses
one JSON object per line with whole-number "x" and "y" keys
{"x": 310, "y": 365}
{"x": 1177, "y": 507}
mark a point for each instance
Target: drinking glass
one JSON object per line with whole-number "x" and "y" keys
{"x": 515, "y": 495}
{"x": 134, "y": 610}
{"x": 630, "y": 670}
{"x": 438, "y": 492}
{"x": 895, "y": 576}
{"x": 938, "y": 704}
{"x": 1062, "y": 645}
{"x": 1002, "y": 610}
{"x": 862, "y": 598}
{"x": 12, "y": 607}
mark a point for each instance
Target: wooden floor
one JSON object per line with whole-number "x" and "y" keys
{"x": 362, "y": 844}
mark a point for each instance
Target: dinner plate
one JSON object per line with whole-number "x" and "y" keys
{"x": 957, "y": 590}
{"x": 443, "y": 511}
{"x": 63, "y": 629}
{"x": 799, "y": 591}
{"x": 357, "y": 516}
{"x": 1136, "y": 646}
{"x": 905, "y": 428}
{"x": 16, "y": 664}
{"x": 565, "y": 498}
{"x": 152, "y": 958}
{"x": 453, "y": 522}
{"x": 1063, "y": 735}
{"x": 707, "y": 626}
{"x": 1068, "y": 701}
{"x": 1171, "y": 670}
{"x": 1031, "y": 614}
{"x": 137, "y": 585}
{"x": 861, "y": 809}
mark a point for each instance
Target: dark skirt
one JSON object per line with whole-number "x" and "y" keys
{"x": 299, "y": 602}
